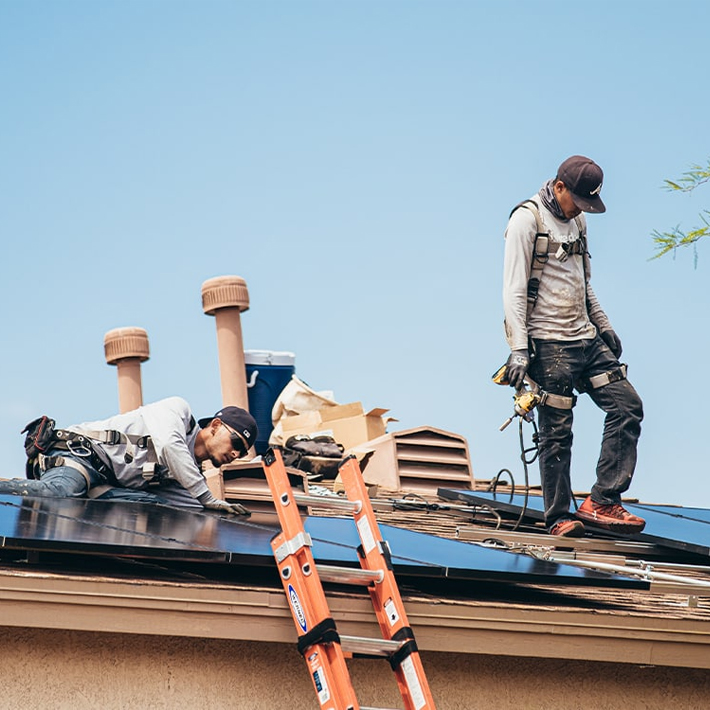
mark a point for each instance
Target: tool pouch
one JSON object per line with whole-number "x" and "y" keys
{"x": 39, "y": 436}
{"x": 38, "y": 440}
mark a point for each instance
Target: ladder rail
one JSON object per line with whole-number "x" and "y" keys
{"x": 299, "y": 576}
{"x": 322, "y": 647}
{"x": 387, "y": 602}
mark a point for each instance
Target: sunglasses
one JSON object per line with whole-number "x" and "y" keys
{"x": 237, "y": 440}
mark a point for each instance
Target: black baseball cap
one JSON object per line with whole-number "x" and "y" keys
{"x": 238, "y": 419}
{"x": 583, "y": 178}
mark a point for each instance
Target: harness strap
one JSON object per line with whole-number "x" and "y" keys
{"x": 110, "y": 437}
{"x": 154, "y": 474}
{"x": 47, "y": 462}
{"x": 606, "y": 378}
{"x": 542, "y": 247}
{"x": 97, "y": 491}
{"x": 81, "y": 445}
{"x": 558, "y": 401}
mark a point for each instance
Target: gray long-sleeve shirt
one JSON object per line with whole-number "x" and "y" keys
{"x": 167, "y": 422}
{"x": 561, "y": 311}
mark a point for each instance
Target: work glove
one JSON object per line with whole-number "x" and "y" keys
{"x": 517, "y": 367}
{"x": 212, "y": 503}
{"x": 612, "y": 340}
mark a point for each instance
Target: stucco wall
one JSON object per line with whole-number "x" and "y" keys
{"x": 75, "y": 670}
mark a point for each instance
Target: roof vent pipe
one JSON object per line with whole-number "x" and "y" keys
{"x": 225, "y": 297}
{"x": 127, "y": 348}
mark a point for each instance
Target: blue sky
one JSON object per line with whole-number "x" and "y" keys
{"x": 355, "y": 162}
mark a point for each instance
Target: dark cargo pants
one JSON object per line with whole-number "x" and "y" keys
{"x": 558, "y": 367}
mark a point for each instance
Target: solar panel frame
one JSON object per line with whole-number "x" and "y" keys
{"x": 160, "y": 532}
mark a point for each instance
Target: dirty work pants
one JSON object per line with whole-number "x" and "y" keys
{"x": 57, "y": 482}
{"x": 67, "y": 482}
{"x": 558, "y": 367}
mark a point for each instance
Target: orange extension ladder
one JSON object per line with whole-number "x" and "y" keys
{"x": 318, "y": 640}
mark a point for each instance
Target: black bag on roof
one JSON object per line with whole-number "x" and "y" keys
{"x": 319, "y": 457}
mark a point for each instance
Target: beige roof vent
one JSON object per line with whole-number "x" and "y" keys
{"x": 225, "y": 297}
{"x": 127, "y": 348}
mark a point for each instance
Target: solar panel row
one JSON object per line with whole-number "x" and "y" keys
{"x": 148, "y": 531}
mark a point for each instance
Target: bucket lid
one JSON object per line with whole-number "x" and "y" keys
{"x": 268, "y": 357}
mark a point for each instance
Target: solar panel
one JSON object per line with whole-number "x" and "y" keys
{"x": 686, "y": 529}
{"x": 158, "y": 532}
{"x": 701, "y": 515}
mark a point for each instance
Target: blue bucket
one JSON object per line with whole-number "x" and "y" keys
{"x": 267, "y": 374}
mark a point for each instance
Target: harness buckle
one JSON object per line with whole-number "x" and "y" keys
{"x": 154, "y": 474}
{"x": 113, "y": 437}
{"x": 562, "y": 252}
{"x": 541, "y": 254}
{"x": 533, "y": 290}
{"x": 616, "y": 375}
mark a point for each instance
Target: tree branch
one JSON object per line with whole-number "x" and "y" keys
{"x": 670, "y": 241}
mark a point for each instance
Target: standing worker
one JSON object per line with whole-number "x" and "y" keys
{"x": 561, "y": 338}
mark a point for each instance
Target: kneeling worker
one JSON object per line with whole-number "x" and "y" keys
{"x": 151, "y": 454}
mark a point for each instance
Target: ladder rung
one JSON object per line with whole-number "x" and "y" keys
{"x": 349, "y": 575}
{"x": 293, "y": 540}
{"x": 369, "y": 646}
{"x": 328, "y": 502}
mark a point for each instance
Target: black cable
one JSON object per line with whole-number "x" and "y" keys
{"x": 493, "y": 486}
{"x": 526, "y": 461}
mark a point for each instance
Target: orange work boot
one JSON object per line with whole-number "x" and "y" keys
{"x": 567, "y": 528}
{"x": 610, "y": 516}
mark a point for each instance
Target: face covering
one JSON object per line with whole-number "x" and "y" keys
{"x": 547, "y": 196}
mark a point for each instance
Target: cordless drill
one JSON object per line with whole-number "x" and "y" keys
{"x": 524, "y": 400}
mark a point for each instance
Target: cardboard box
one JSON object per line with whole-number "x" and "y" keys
{"x": 214, "y": 480}
{"x": 348, "y": 424}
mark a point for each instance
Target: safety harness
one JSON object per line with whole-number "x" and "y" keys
{"x": 42, "y": 436}
{"x": 542, "y": 247}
